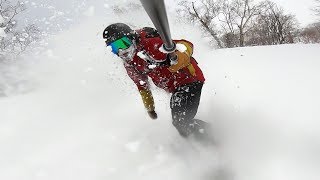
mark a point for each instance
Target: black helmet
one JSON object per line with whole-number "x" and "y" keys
{"x": 117, "y": 31}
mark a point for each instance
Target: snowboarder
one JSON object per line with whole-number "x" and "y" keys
{"x": 142, "y": 57}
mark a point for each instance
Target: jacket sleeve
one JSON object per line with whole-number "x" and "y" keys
{"x": 141, "y": 81}
{"x": 152, "y": 46}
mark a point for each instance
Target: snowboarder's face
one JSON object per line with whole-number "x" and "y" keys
{"x": 127, "y": 54}
{"x": 124, "y": 48}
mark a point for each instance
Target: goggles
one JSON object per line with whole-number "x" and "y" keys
{"x": 123, "y": 43}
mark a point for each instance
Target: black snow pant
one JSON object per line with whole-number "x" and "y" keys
{"x": 184, "y": 106}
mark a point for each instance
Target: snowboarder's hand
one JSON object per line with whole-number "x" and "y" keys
{"x": 152, "y": 114}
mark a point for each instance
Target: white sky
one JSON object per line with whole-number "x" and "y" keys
{"x": 301, "y": 8}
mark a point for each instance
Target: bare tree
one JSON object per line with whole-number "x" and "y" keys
{"x": 238, "y": 14}
{"x": 227, "y": 19}
{"x": 204, "y": 14}
{"x": 230, "y": 39}
{"x": 243, "y": 22}
{"x": 273, "y": 26}
{"x": 12, "y": 38}
{"x": 260, "y": 33}
{"x": 282, "y": 24}
{"x": 311, "y": 34}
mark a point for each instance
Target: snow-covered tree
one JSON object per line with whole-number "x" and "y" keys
{"x": 128, "y": 7}
{"x": 14, "y": 38}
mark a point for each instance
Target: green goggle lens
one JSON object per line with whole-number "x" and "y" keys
{"x": 122, "y": 43}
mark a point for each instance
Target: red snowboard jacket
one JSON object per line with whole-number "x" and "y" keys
{"x": 149, "y": 61}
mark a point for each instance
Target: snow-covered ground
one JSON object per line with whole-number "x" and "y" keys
{"x": 78, "y": 115}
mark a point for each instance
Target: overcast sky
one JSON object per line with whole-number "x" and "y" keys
{"x": 301, "y": 8}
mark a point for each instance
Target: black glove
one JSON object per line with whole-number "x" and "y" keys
{"x": 152, "y": 114}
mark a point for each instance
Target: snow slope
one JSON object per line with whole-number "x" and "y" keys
{"x": 83, "y": 118}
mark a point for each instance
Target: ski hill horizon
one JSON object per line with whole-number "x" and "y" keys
{"x": 69, "y": 111}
